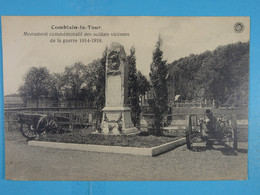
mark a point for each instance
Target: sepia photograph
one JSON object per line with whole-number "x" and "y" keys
{"x": 125, "y": 98}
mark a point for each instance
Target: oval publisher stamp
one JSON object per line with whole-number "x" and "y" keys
{"x": 239, "y": 27}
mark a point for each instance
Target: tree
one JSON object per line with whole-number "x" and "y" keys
{"x": 158, "y": 78}
{"x": 56, "y": 86}
{"x": 37, "y": 84}
{"x": 143, "y": 83}
{"x": 98, "y": 82}
{"x": 133, "y": 92}
{"x": 74, "y": 79}
{"x": 218, "y": 75}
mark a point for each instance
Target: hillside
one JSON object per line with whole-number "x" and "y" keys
{"x": 222, "y": 74}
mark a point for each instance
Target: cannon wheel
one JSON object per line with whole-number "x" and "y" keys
{"x": 48, "y": 125}
{"x": 28, "y": 131}
{"x": 191, "y": 125}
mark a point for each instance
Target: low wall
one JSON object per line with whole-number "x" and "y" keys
{"x": 154, "y": 151}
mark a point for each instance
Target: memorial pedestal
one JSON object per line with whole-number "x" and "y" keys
{"x": 117, "y": 120}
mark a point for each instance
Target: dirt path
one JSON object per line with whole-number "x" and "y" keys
{"x": 25, "y": 162}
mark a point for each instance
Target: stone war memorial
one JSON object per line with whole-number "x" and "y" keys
{"x": 116, "y": 113}
{"x": 171, "y": 88}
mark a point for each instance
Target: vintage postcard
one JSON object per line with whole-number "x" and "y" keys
{"x": 100, "y": 98}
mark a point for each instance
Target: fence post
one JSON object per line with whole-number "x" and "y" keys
{"x": 234, "y": 125}
{"x": 90, "y": 118}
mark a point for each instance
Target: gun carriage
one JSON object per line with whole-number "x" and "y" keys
{"x": 32, "y": 125}
{"x": 223, "y": 130}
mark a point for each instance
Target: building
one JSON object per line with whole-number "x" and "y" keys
{"x": 13, "y": 101}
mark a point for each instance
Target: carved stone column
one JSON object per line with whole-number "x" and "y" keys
{"x": 116, "y": 113}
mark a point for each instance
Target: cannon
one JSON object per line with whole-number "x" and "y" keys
{"x": 32, "y": 125}
{"x": 223, "y": 131}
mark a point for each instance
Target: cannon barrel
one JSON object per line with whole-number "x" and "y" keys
{"x": 28, "y": 118}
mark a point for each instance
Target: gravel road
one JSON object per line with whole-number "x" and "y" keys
{"x": 25, "y": 162}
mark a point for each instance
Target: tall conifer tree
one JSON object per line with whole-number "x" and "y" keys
{"x": 158, "y": 78}
{"x": 100, "y": 83}
{"x": 133, "y": 92}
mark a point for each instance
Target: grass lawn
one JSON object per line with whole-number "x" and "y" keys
{"x": 141, "y": 140}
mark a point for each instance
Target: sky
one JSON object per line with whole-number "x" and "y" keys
{"x": 181, "y": 37}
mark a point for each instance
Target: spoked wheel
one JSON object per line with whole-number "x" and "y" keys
{"x": 48, "y": 125}
{"x": 191, "y": 130}
{"x": 28, "y": 131}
